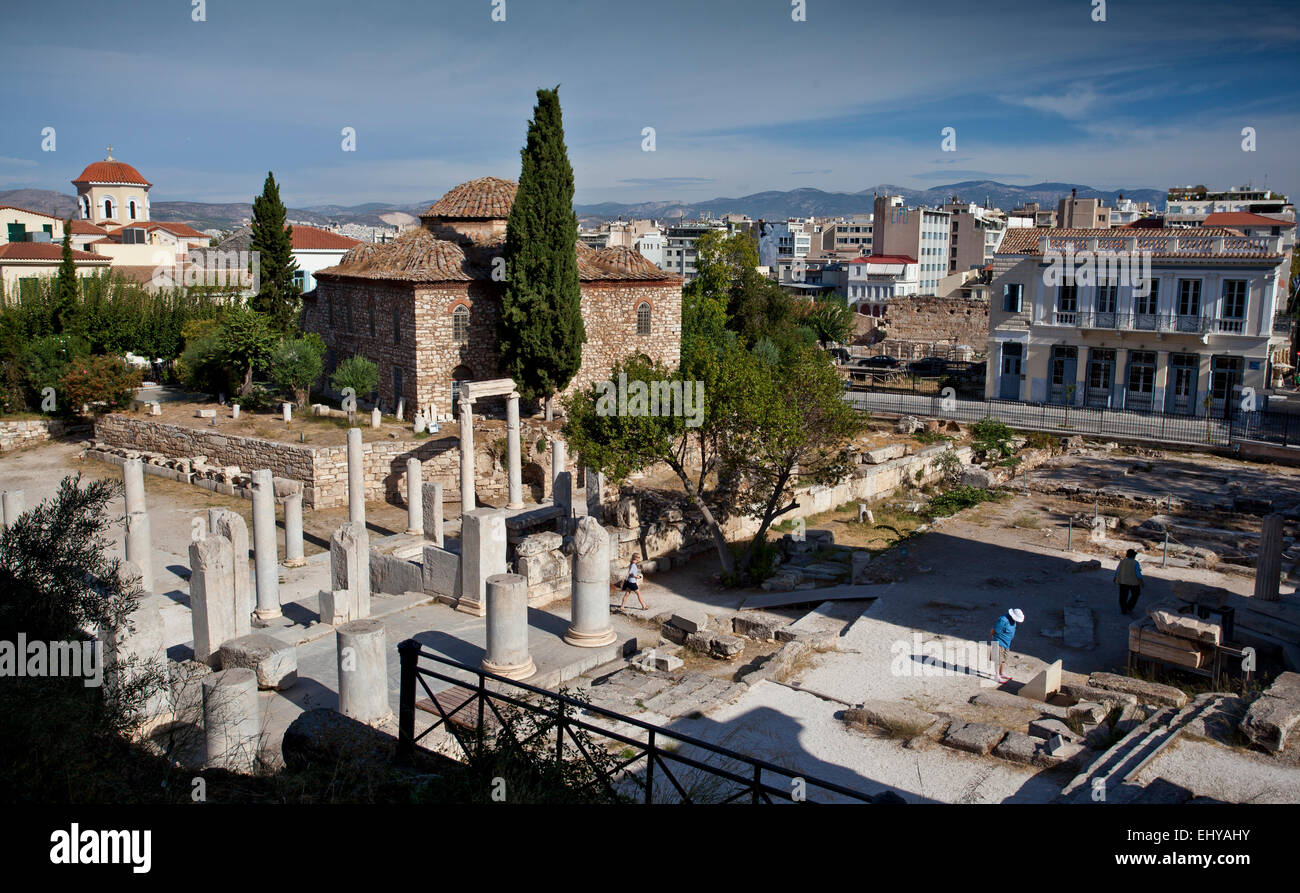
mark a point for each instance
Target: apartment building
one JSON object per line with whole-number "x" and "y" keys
{"x": 1190, "y": 205}
{"x": 1082, "y": 213}
{"x": 1157, "y": 319}
{"x": 783, "y": 242}
{"x": 877, "y": 279}
{"x": 679, "y": 246}
{"x": 975, "y": 234}
{"x": 921, "y": 233}
{"x": 847, "y": 234}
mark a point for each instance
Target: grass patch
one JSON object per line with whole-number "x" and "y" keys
{"x": 959, "y": 498}
{"x": 1027, "y": 519}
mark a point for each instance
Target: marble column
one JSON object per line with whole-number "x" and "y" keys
{"x": 561, "y": 485}
{"x": 356, "y": 478}
{"x": 590, "y": 626}
{"x": 212, "y": 596}
{"x": 293, "y": 551}
{"x": 139, "y": 547}
{"x": 1268, "y": 563}
{"x": 363, "y": 671}
{"x": 11, "y": 506}
{"x": 482, "y": 555}
{"x": 230, "y": 723}
{"x": 595, "y": 489}
{"x": 513, "y": 457}
{"x": 507, "y": 627}
{"x": 133, "y": 483}
{"x": 264, "y": 546}
{"x": 414, "y": 498}
{"x": 232, "y": 526}
{"x": 433, "y": 525}
{"x": 466, "y": 454}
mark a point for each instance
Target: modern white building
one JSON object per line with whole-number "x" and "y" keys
{"x": 1190, "y": 205}
{"x": 1155, "y": 320}
{"x": 679, "y": 246}
{"x": 875, "y": 280}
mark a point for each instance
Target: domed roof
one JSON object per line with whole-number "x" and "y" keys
{"x": 487, "y": 198}
{"x": 110, "y": 171}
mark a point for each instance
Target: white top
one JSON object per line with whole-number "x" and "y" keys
{"x": 634, "y": 572}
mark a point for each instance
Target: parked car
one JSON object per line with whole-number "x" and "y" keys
{"x": 929, "y": 367}
{"x": 882, "y": 361}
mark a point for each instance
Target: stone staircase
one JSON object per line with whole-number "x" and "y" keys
{"x": 1115, "y": 770}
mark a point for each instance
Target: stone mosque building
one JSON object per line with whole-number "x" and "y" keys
{"x": 424, "y": 307}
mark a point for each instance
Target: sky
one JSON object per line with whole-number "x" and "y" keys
{"x": 741, "y": 96}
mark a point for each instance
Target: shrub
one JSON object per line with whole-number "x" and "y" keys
{"x": 200, "y": 367}
{"x": 358, "y": 373}
{"x": 257, "y": 399}
{"x": 991, "y": 439}
{"x": 46, "y": 359}
{"x": 296, "y": 364}
{"x": 102, "y": 383}
{"x": 955, "y": 500}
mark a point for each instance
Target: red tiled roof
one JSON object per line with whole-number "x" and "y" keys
{"x": 885, "y": 259}
{"x": 184, "y": 230}
{"x": 487, "y": 198}
{"x": 419, "y": 256}
{"x": 1243, "y": 218}
{"x": 111, "y": 172}
{"x": 86, "y": 228}
{"x": 45, "y": 251}
{"x": 309, "y": 238}
{"x": 1192, "y": 243}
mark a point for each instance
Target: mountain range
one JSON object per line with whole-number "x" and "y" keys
{"x": 770, "y": 205}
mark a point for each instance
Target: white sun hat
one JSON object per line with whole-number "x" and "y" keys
{"x": 1017, "y": 615}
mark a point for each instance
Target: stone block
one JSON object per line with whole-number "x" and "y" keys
{"x": 544, "y": 567}
{"x": 674, "y": 634}
{"x": 335, "y": 606}
{"x": 274, "y": 661}
{"x": 1018, "y": 747}
{"x": 1274, "y": 714}
{"x": 760, "y": 627}
{"x": 1045, "y": 684}
{"x": 441, "y": 571}
{"x": 1145, "y": 692}
{"x": 974, "y": 737}
{"x": 1101, "y": 696}
{"x": 1088, "y": 711}
{"x": 539, "y": 544}
{"x": 1047, "y": 727}
{"x": 690, "y": 620}
{"x": 893, "y": 716}
{"x": 725, "y": 646}
{"x": 394, "y": 575}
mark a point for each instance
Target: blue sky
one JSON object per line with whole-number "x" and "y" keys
{"x": 742, "y": 98}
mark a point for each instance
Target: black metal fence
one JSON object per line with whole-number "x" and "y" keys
{"x": 1278, "y": 428}
{"x": 653, "y": 765}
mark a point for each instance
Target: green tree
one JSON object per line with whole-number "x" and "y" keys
{"x": 358, "y": 373}
{"x": 829, "y": 319}
{"x": 66, "y": 288}
{"x": 277, "y": 295}
{"x": 540, "y": 331}
{"x": 245, "y": 341}
{"x": 297, "y": 363}
{"x": 104, "y": 383}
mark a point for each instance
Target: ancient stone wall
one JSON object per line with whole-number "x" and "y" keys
{"x": 20, "y": 433}
{"x": 194, "y": 454}
{"x": 915, "y": 327}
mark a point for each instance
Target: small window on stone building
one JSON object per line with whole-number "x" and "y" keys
{"x": 460, "y": 324}
{"x": 397, "y": 327}
{"x": 643, "y": 319}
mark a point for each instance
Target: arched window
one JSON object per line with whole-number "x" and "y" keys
{"x": 108, "y": 208}
{"x": 643, "y": 318}
{"x": 85, "y": 207}
{"x": 130, "y": 208}
{"x": 460, "y": 324}
{"x": 397, "y": 327}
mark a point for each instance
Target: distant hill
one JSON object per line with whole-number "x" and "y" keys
{"x": 769, "y": 205}
{"x": 213, "y": 215}
{"x": 809, "y": 202}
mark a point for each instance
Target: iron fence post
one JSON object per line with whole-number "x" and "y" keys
{"x": 478, "y": 727}
{"x": 758, "y": 776}
{"x": 408, "y": 655}
{"x": 651, "y": 752}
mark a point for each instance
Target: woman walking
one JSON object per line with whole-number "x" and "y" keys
{"x": 632, "y": 584}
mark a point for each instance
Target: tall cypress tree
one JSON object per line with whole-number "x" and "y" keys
{"x": 540, "y": 333}
{"x": 65, "y": 285}
{"x": 277, "y": 295}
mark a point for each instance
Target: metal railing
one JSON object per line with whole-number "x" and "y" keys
{"x": 1146, "y": 322}
{"x": 1277, "y": 428}
{"x": 654, "y": 769}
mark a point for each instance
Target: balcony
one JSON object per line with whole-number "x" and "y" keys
{"x": 1282, "y": 324}
{"x": 1147, "y": 322}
